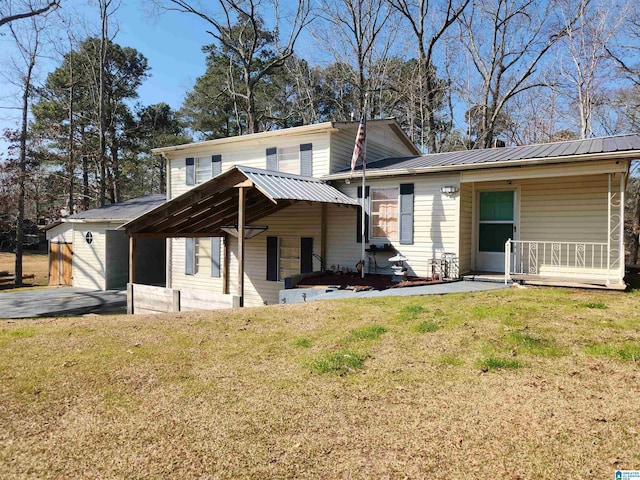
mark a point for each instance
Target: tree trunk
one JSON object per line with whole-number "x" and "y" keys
{"x": 22, "y": 174}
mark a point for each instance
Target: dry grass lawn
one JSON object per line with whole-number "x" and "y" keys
{"x": 33, "y": 263}
{"x": 512, "y": 384}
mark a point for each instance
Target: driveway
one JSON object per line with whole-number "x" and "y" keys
{"x": 61, "y": 301}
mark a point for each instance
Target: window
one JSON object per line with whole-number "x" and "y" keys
{"x": 203, "y": 256}
{"x": 203, "y": 169}
{"x": 289, "y": 160}
{"x": 384, "y": 213}
{"x": 288, "y": 257}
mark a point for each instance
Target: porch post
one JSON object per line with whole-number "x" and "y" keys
{"x": 609, "y": 229}
{"x": 241, "y": 201}
{"x": 132, "y": 257}
{"x": 621, "y": 239}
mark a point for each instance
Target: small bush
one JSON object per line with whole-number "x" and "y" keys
{"x": 427, "y": 326}
{"x": 498, "y": 363}
{"x": 596, "y": 305}
{"x": 341, "y": 362}
{"x": 370, "y": 332}
{"x": 302, "y": 342}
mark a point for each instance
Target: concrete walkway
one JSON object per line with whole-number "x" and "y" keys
{"x": 62, "y": 301}
{"x": 437, "y": 289}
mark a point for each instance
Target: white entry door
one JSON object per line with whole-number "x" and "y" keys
{"x": 496, "y": 224}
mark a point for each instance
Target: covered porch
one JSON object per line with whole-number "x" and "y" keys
{"x": 559, "y": 225}
{"x": 227, "y": 207}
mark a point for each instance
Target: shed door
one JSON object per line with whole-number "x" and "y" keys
{"x": 60, "y": 263}
{"x": 496, "y": 224}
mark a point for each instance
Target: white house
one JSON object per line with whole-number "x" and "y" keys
{"x": 560, "y": 206}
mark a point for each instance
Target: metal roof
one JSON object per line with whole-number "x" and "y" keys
{"x": 122, "y": 211}
{"x": 206, "y": 208}
{"x": 284, "y": 186}
{"x": 561, "y": 151}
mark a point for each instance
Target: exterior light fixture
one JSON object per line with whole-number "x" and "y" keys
{"x": 449, "y": 189}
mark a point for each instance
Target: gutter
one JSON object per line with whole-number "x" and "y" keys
{"x": 627, "y": 155}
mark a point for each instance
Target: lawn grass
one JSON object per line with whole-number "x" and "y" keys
{"x": 33, "y": 263}
{"x": 515, "y": 383}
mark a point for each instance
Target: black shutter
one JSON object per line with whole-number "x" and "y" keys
{"x": 359, "y": 219}
{"x": 191, "y": 171}
{"x": 306, "y": 255}
{"x": 216, "y": 165}
{"x": 406, "y": 213}
{"x": 215, "y": 256}
{"x": 189, "y": 256}
{"x": 306, "y": 160}
{"x": 272, "y": 159}
{"x": 272, "y": 258}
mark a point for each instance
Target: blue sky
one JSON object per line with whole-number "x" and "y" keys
{"x": 172, "y": 43}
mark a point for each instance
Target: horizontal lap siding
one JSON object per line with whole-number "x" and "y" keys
{"x": 252, "y": 154}
{"x": 89, "y": 260}
{"x": 299, "y": 220}
{"x": 570, "y": 209}
{"x": 435, "y": 225}
{"x": 466, "y": 226}
{"x": 381, "y": 143}
{"x": 198, "y": 281}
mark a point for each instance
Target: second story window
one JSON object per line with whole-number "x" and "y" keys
{"x": 289, "y": 160}
{"x": 296, "y": 160}
{"x": 203, "y": 169}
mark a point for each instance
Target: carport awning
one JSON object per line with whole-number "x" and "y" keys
{"x": 203, "y": 210}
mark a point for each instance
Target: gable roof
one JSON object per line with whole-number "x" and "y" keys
{"x": 292, "y": 131}
{"x": 203, "y": 210}
{"x": 623, "y": 146}
{"x": 120, "y": 212}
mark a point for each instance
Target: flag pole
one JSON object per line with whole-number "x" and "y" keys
{"x": 364, "y": 188}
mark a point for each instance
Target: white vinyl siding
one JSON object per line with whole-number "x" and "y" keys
{"x": 62, "y": 233}
{"x": 435, "y": 225}
{"x": 89, "y": 265}
{"x": 301, "y": 220}
{"x": 250, "y": 154}
{"x": 381, "y": 143}
{"x": 466, "y": 227}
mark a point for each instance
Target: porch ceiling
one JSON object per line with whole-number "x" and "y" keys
{"x": 203, "y": 210}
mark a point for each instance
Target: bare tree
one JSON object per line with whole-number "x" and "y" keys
{"x": 506, "y": 41}
{"x": 28, "y": 10}
{"x": 585, "y": 64}
{"x": 238, "y": 26}
{"x": 429, "y": 22}
{"x": 356, "y": 36}
{"x": 28, "y": 41}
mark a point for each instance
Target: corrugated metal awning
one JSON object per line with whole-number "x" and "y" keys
{"x": 205, "y": 209}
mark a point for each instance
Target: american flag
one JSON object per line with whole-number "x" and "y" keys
{"x": 357, "y": 149}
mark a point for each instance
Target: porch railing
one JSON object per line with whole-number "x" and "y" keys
{"x": 584, "y": 259}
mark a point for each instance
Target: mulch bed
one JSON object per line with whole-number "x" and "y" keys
{"x": 369, "y": 282}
